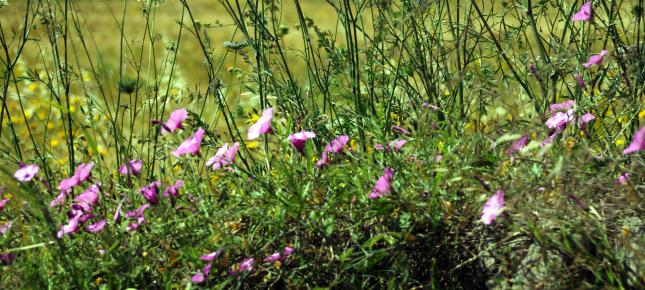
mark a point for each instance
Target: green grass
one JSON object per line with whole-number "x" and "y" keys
{"x": 82, "y": 81}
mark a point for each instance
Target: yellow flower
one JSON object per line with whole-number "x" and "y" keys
{"x": 620, "y": 142}
{"x": 42, "y": 115}
{"x": 622, "y": 120}
{"x": 394, "y": 116}
{"x": 252, "y": 145}
{"x": 440, "y": 145}
{"x": 446, "y": 93}
{"x": 641, "y": 114}
{"x": 72, "y": 108}
{"x": 570, "y": 142}
{"x": 54, "y": 142}
{"x": 32, "y": 87}
{"x": 214, "y": 178}
{"x": 353, "y": 144}
{"x": 174, "y": 92}
{"x": 253, "y": 119}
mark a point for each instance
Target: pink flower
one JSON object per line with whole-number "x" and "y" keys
{"x": 638, "y": 142}
{"x": 117, "y": 213}
{"x": 174, "y": 121}
{"x": 262, "y": 125}
{"x": 397, "y": 145}
{"x": 299, "y": 139}
{"x": 198, "y": 278}
{"x": 399, "y": 129}
{"x": 211, "y": 256}
{"x": 191, "y": 145}
{"x": 223, "y": 157}
{"x": 151, "y": 192}
{"x": 595, "y": 59}
{"x": 3, "y": 202}
{"x": 379, "y": 147}
{"x": 564, "y": 106}
{"x": 96, "y": 227}
{"x": 26, "y": 172}
{"x": 89, "y": 198}
{"x": 60, "y": 199}
{"x": 584, "y": 119}
{"x": 82, "y": 173}
{"x": 493, "y": 207}
{"x": 71, "y": 226}
{"x": 273, "y": 257}
{"x": 622, "y": 179}
{"x": 559, "y": 120}
{"x": 287, "y": 251}
{"x": 173, "y": 190}
{"x": 337, "y": 145}
{"x": 5, "y": 227}
{"x": 580, "y": 81}
{"x": 334, "y": 146}
{"x": 138, "y": 214}
{"x": 383, "y": 185}
{"x": 201, "y": 276}
{"x": 517, "y": 146}
{"x": 584, "y": 14}
{"x": 247, "y": 265}
{"x": 132, "y": 167}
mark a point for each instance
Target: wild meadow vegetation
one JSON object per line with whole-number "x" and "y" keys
{"x": 337, "y": 144}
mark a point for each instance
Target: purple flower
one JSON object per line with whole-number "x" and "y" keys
{"x": 638, "y": 142}
{"x": 262, "y": 125}
{"x": 174, "y": 121}
{"x": 595, "y": 59}
{"x": 399, "y": 129}
{"x": 7, "y": 259}
{"x": 190, "y": 145}
{"x": 379, "y": 147}
{"x": 89, "y": 198}
{"x": 26, "y": 172}
{"x": 132, "y": 167}
{"x": 96, "y": 227}
{"x": 383, "y": 185}
{"x": 299, "y": 139}
{"x": 584, "y": 14}
{"x": 151, "y": 192}
{"x": 173, "y": 190}
{"x": 493, "y": 207}
{"x": 223, "y": 157}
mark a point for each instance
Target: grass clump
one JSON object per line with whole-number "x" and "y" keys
{"x": 327, "y": 144}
